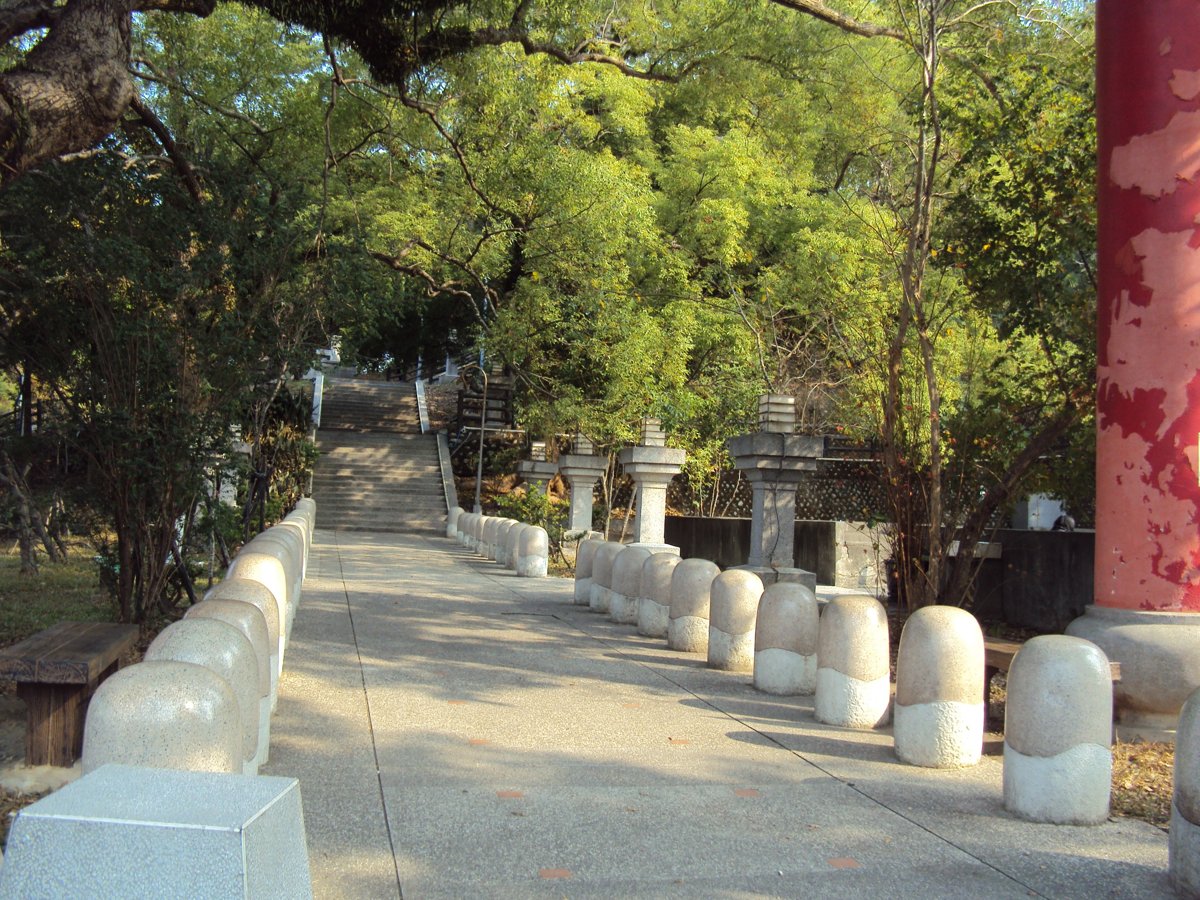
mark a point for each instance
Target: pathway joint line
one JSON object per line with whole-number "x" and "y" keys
{"x": 387, "y": 819}
{"x": 614, "y": 642}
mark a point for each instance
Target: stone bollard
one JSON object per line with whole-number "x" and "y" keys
{"x": 259, "y": 596}
{"x": 284, "y": 547}
{"x": 488, "y": 544}
{"x": 533, "y": 553}
{"x": 937, "y": 720}
{"x": 164, "y": 715}
{"x": 477, "y": 526}
{"x": 785, "y": 639}
{"x": 1183, "y": 859}
{"x": 687, "y": 621}
{"x": 501, "y": 543}
{"x": 626, "y": 585}
{"x": 268, "y": 571}
{"x": 654, "y": 607}
{"x": 452, "y": 522}
{"x": 853, "y": 664}
{"x": 460, "y": 528}
{"x": 222, "y": 648}
{"x": 1058, "y": 732}
{"x": 481, "y": 534}
{"x": 585, "y": 557}
{"x": 294, "y": 525}
{"x": 602, "y": 572}
{"x": 509, "y": 537}
{"x": 732, "y": 609}
{"x": 250, "y": 621}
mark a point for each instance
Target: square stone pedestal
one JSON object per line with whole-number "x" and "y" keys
{"x": 126, "y": 831}
{"x": 770, "y": 576}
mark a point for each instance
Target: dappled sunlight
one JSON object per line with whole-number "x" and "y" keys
{"x": 457, "y": 710}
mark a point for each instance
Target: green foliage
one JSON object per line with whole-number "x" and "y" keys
{"x": 535, "y": 507}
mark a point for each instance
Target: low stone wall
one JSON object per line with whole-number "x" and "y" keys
{"x": 846, "y": 554}
{"x": 1045, "y": 577}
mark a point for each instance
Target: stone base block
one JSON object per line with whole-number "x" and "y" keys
{"x": 846, "y": 701}
{"x": 621, "y": 609}
{"x": 583, "y": 591}
{"x": 688, "y": 634}
{"x": 1159, "y": 655}
{"x": 656, "y": 548}
{"x": 730, "y": 652}
{"x": 785, "y": 672}
{"x": 653, "y": 618}
{"x": 770, "y": 576}
{"x": 1183, "y": 855}
{"x": 124, "y": 831}
{"x": 1072, "y": 788}
{"x": 533, "y": 566}
{"x": 599, "y": 598}
{"x": 264, "y": 734}
{"x": 944, "y": 734}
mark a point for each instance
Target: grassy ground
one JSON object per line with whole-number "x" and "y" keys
{"x": 67, "y": 592}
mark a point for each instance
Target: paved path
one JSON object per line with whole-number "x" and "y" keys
{"x": 460, "y": 732}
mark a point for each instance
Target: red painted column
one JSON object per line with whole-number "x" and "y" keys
{"x": 1148, "y": 315}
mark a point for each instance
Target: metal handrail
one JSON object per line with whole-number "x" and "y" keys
{"x": 422, "y": 406}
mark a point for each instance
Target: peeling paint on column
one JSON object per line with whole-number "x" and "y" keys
{"x": 1148, "y": 321}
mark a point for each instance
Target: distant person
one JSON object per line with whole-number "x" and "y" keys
{"x": 1065, "y": 522}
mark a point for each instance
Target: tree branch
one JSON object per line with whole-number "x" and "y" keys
{"x": 182, "y": 166}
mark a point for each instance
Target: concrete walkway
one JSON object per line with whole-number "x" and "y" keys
{"x": 460, "y": 732}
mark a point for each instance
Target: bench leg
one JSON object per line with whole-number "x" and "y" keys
{"x": 54, "y": 727}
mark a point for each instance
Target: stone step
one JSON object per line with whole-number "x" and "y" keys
{"x": 376, "y": 478}
{"x": 376, "y": 472}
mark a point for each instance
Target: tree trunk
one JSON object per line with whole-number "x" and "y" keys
{"x": 72, "y": 88}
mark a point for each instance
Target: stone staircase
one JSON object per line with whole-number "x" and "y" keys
{"x": 376, "y": 471}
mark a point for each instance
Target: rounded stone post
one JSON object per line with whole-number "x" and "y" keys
{"x": 585, "y": 557}
{"x": 268, "y": 571}
{"x": 1058, "y": 732}
{"x": 284, "y": 546}
{"x": 511, "y": 537}
{"x": 938, "y": 717}
{"x": 462, "y": 526}
{"x": 785, "y": 639}
{"x": 533, "y": 553}
{"x": 490, "y": 527}
{"x": 221, "y": 647}
{"x": 258, "y": 595}
{"x": 164, "y": 715}
{"x": 251, "y": 622}
{"x": 602, "y": 571}
{"x": 504, "y": 554}
{"x": 853, "y": 664}
{"x": 654, "y": 608}
{"x": 452, "y": 521}
{"x": 1184, "y": 850}
{"x": 687, "y": 621}
{"x": 626, "y": 585}
{"x": 733, "y": 608}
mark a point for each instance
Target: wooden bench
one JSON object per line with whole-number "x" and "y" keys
{"x": 997, "y": 657}
{"x": 56, "y": 672}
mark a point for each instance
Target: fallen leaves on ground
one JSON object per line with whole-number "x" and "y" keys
{"x": 1142, "y": 781}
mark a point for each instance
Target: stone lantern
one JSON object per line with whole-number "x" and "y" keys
{"x": 581, "y": 468}
{"x": 774, "y": 460}
{"x": 651, "y": 465}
